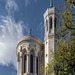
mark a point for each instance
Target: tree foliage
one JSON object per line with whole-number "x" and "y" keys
{"x": 63, "y": 61}
{"x": 65, "y": 54}
{"x": 72, "y": 2}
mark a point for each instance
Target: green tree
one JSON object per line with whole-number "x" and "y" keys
{"x": 66, "y": 45}
{"x": 63, "y": 61}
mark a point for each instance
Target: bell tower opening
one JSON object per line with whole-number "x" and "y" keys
{"x": 46, "y": 25}
{"x": 55, "y": 23}
{"x": 50, "y": 24}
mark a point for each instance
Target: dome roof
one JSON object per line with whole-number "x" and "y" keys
{"x": 29, "y": 38}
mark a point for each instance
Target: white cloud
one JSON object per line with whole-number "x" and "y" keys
{"x": 10, "y": 32}
{"x": 11, "y": 6}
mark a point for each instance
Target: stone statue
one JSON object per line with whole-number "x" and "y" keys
{"x": 30, "y": 31}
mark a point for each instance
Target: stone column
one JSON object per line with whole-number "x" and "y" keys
{"x": 27, "y": 65}
{"x": 27, "y": 68}
{"x": 21, "y": 64}
{"x": 35, "y": 66}
{"x": 18, "y": 67}
{"x": 18, "y": 60}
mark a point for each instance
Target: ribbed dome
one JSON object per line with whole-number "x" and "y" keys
{"x": 29, "y": 38}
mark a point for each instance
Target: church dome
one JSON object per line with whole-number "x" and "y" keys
{"x": 29, "y": 50}
{"x": 29, "y": 38}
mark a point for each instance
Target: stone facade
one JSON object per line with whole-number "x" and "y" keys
{"x": 29, "y": 45}
{"x": 31, "y": 52}
{"x": 50, "y": 15}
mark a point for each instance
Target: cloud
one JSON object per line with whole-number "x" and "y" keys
{"x": 11, "y": 6}
{"x": 10, "y": 32}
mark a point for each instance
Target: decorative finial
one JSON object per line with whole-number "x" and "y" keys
{"x": 51, "y": 3}
{"x": 30, "y": 31}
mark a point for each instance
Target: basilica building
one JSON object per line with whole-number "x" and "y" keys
{"x": 32, "y": 52}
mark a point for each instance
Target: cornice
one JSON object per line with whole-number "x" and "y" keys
{"x": 49, "y": 36}
{"x": 50, "y": 11}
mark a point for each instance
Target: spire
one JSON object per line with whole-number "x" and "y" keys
{"x": 51, "y": 4}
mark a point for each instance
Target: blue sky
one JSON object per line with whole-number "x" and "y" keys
{"x": 16, "y": 18}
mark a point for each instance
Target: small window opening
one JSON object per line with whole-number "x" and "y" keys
{"x": 50, "y": 22}
{"x": 47, "y": 24}
{"x": 55, "y": 23}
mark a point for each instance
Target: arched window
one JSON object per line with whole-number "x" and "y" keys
{"x": 31, "y": 63}
{"x": 47, "y": 24}
{"x": 25, "y": 63}
{"x": 37, "y": 65}
{"x": 50, "y": 22}
{"x": 55, "y": 23}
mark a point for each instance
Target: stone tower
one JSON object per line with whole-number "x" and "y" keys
{"x": 51, "y": 25}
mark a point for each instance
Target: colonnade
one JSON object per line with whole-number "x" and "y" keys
{"x": 25, "y": 67}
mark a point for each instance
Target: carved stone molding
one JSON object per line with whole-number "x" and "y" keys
{"x": 36, "y": 54}
{"x": 21, "y": 55}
